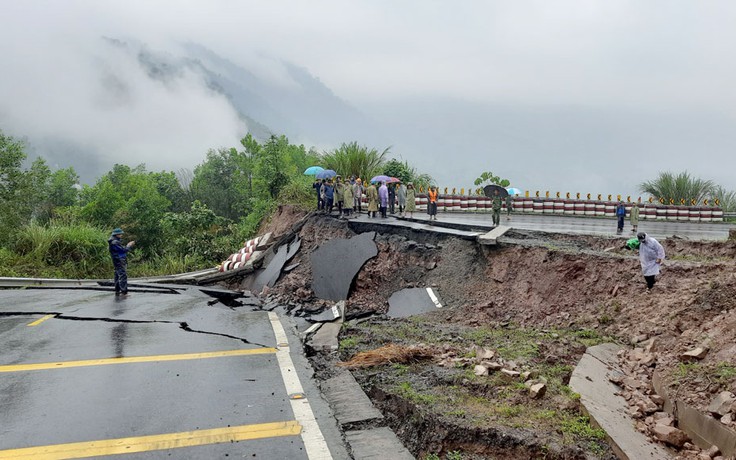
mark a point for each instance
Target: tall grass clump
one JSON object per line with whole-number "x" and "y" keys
{"x": 299, "y": 193}
{"x": 78, "y": 251}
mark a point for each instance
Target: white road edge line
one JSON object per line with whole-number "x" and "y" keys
{"x": 314, "y": 441}
{"x": 434, "y": 298}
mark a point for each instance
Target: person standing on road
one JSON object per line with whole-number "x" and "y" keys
{"x": 496, "y": 205}
{"x": 509, "y": 206}
{"x": 651, "y": 255}
{"x": 411, "y": 197}
{"x": 329, "y": 192}
{"x": 383, "y": 197}
{"x": 357, "y": 195}
{"x": 432, "y": 205}
{"x": 339, "y": 194}
{"x": 372, "y": 195}
{"x": 317, "y": 186}
{"x": 621, "y": 215}
{"x": 348, "y": 197}
{"x": 634, "y": 216}
{"x": 401, "y": 197}
{"x": 391, "y": 197}
{"x": 119, "y": 254}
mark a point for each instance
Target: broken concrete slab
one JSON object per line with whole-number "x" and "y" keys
{"x": 272, "y": 271}
{"x": 329, "y": 315}
{"x": 491, "y": 237}
{"x": 413, "y": 301}
{"x": 325, "y": 339}
{"x": 348, "y": 401}
{"x": 332, "y": 280}
{"x": 375, "y": 444}
{"x": 599, "y": 399}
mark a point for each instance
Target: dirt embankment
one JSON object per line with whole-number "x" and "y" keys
{"x": 558, "y": 293}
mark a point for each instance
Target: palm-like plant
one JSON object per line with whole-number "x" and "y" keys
{"x": 726, "y": 198}
{"x": 678, "y": 187}
{"x": 355, "y": 160}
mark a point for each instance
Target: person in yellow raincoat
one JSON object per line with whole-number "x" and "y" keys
{"x": 372, "y": 194}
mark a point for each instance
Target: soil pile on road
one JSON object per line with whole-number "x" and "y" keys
{"x": 536, "y": 301}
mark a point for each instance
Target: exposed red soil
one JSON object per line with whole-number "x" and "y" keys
{"x": 548, "y": 280}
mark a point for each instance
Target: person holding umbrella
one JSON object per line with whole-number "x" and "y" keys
{"x": 509, "y": 206}
{"x": 329, "y": 196}
{"x": 391, "y": 196}
{"x": 317, "y": 186}
{"x": 496, "y": 205}
{"x": 383, "y": 197}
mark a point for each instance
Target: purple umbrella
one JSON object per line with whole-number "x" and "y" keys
{"x": 326, "y": 174}
{"x": 381, "y": 179}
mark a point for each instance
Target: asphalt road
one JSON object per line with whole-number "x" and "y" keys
{"x": 590, "y": 225}
{"x": 84, "y": 374}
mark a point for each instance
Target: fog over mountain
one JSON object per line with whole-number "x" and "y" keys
{"x": 570, "y": 96}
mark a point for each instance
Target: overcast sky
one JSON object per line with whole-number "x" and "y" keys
{"x": 602, "y": 94}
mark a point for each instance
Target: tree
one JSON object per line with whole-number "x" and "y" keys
{"x": 12, "y": 186}
{"x": 491, "y": 178}
{"x": 269, "y": 176}
{"x": 128, "y": 198}
{"x": 667, "y": 186}
{"x": 64, "y": 188}
{"x": 221, "y": 183}
{"x": 406, "y": 173}
{"x": 355, "y": 160}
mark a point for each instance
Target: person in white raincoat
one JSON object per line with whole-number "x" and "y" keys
{"x": 651, "y": 255}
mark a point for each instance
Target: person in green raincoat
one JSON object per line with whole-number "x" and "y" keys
{"x": 411, "y": 196}
{"x": 632, "y": 244}
{"x": 348, "y": 195}
{"x": 496, "y": 204}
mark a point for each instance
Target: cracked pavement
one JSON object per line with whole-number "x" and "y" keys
{"x": 151, "y": 364}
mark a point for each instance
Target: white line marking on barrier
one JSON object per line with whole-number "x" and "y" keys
{"x": 434, "y": 298}
{"x": 314, "y": 441}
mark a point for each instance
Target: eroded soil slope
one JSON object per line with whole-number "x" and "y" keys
{"x": 535, "y": 302}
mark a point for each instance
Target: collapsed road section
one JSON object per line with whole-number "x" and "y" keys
{"x": 488, "y": 374}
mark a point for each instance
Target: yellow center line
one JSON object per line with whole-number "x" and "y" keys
{"x": 40, "y": 320}
{"x": 155, "y": 442}
{"x": 134, "y": 359}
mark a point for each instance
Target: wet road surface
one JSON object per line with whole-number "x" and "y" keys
{"x": 574, "y": 225}
{"x": 84, "y": 374}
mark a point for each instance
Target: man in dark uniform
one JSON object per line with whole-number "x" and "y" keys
{"x": 119, "y": 254}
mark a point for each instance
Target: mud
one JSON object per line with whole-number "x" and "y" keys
{"x": 555, "y": 293}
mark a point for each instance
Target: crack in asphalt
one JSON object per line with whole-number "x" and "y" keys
{"x": 183, "y": 325}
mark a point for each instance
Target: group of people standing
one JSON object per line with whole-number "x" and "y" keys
{"x": 621, "y": 217}
{"x": 347, "y": 196}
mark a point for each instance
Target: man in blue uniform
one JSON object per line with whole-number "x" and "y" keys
{"x": 119, "y": 254}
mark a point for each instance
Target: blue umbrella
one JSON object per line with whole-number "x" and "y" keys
{"x": 513, "y": 191}
{"x": 381, "y": 179}
{"x": 312, "y": 170}
{"x": 326, "y": 174}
